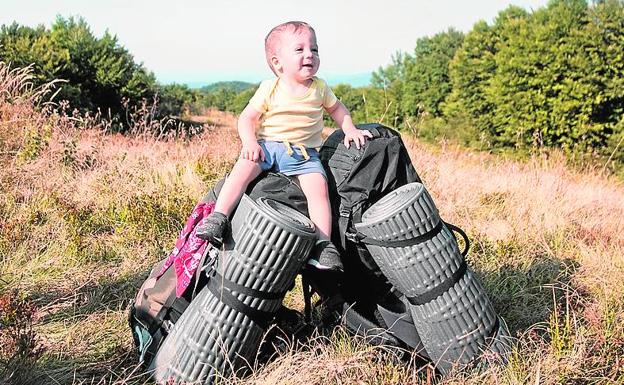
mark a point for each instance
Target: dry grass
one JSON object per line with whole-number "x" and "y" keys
{"x": 83, "y": 215}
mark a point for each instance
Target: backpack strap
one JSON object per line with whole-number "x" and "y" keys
{"x": 361, "y": 238}
{"x": 344, "y": 223}
{"x": 463, "y": 235}
{"x": 222, "y": 288}
{"x": 444, "y": 285}
{"x": 434, "y": 293}
{"x": 208, "y": 267}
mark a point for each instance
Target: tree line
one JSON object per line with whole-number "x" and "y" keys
{"x": 552, "y": 77}
{"x": 98, "y": 72}
{"x": 99, "y": 75}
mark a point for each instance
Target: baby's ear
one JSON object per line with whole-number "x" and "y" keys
{"x": 275, "y": 63}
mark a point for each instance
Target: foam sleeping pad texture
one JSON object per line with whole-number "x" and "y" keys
{"x": 268, "y": 245}
{"x": 458, "y": 325}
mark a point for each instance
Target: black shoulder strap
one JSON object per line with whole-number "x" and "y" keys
{"x": 155, "y": 323}
{"x": 344, "y": 222}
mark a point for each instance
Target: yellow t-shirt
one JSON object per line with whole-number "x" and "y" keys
{"x": 295, "y": 119}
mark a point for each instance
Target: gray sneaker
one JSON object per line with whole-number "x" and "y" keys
{"x": 213, "y": 227}
{"x": 325, "y": 256}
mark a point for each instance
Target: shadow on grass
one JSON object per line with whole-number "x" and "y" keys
{"x": 526, "y": 295}
{"x": 95, "y": 296}
{"x": 119, "y": 368}
{"x": 110, "y": 360}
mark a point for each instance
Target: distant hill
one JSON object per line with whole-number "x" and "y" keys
{"x": 236, "y": 86}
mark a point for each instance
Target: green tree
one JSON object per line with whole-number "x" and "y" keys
{"x": 99, "y": 73}
{"x": 241, "y": 99}
{"x": 175, "y": 99}
{"x": 527, "y": 82}
{"x": 596, "y": 93}
{"x": 23, "y": 46}
{"x": 472, "y": 68}
{"x": 366, "y": 104}
{"x": 426, "y": 73}
{"x": 391, "y": 80}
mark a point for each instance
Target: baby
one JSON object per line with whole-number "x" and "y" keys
{"x": 288, "y": 111}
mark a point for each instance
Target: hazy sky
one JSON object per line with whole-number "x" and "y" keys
{"x": 209, "y": 40}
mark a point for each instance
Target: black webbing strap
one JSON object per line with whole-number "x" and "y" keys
{"x": 361, "y": 238}
{"x": 259, "y": 317}
{"x": 199, "y": 268}
{"x": 344, "y": 220}
{"x": 159, "y": 318}
{"x": 463, "y": 234}
{"x": 401, "y": 242}
{"x": 494, "y": 330}
{"x": 233, "y": 286}
{"x": 440, "y": 288}
{"x": 307, "y": 298}
{"x": 149, "y": 353}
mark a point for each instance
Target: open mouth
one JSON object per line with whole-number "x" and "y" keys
{"x": 308, "y": 65}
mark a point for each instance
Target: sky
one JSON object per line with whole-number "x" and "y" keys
{"x": 198, "y": 42}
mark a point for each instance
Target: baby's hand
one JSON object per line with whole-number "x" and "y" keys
{"x": 252, "y": 151}
{"x": 357, "y": 136}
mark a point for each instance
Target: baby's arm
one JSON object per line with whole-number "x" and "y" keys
{"x": 342, "y": 117}
{"x": 247, "y": 122}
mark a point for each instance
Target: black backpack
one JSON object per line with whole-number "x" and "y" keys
{"x": 360, "y": 177}
{"x": 362, "y": 295}
{"x": 357, "y": 178}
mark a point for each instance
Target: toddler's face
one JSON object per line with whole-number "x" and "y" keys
{"x": 298, "y": 55}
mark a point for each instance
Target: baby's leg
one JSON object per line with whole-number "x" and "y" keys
{"x": 325, "y": 256}
{"x": 314, "y": 188}
{"x": 214, "y": 227}
{"x": 243, "y": 173}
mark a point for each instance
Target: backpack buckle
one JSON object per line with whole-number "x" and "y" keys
{"x": 167, "y": 325}
{"x": 354, "y": 237}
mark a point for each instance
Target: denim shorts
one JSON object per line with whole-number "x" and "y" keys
{"x": 278, "y": 159}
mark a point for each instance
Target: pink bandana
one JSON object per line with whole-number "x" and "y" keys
{"x": 188, "y": 249}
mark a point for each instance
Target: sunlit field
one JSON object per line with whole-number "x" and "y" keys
{"x": 84, "y": 214}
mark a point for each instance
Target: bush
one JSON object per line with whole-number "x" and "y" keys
{"x": 100, "y": 74}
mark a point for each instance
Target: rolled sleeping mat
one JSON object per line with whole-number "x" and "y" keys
{"x": 222, "y": 328}
{"x": 419, "y": 255}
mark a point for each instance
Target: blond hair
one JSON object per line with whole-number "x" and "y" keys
{"x": 272, "y": 39}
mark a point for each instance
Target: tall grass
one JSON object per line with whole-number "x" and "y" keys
{"x": 84, "y": 213}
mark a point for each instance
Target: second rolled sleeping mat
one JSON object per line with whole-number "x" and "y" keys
{"x": 222, "y": 328}
{"x": 419, "y": 255}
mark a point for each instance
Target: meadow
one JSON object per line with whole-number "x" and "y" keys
{"x": 85, "y": 213}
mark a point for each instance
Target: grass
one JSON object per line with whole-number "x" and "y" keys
{"x": 84, "y": 214}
